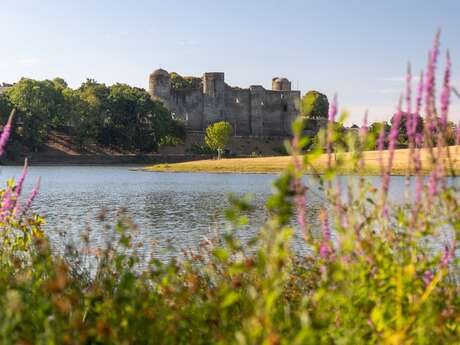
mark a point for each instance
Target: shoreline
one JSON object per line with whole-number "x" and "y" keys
{"x": 276, "y": 164}
{"x": 41, "y": 159}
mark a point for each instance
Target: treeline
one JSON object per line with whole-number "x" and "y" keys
{"x": 119, "y": 116}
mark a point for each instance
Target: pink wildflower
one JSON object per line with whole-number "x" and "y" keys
{"x": 19, "y": 185}
{"x": 418, "y": 105}
{"x": 381, "y": 146}
{"x": 22, "y": 178}
{"x": 448, "y": 254}
{"x": 432, "y": 187}
{"x": 331, "y": 118}
{"x": 457, "y": 134}
{"x": 5, "y": 134}
{"x": 391, "y": 147}
{"x": 408, "y": 101}
{"x": 32, "y": 196}
{"x": 428, "y": 277}
{"x": 332, "y": 109}
{"x": 430, "y": 84}
{"x": 364, "y": 129}
{"x": 300, "y": 189}
{"x": 445, "y": 94}
{"x": 7, "y": 202}
{"x": 325, "y": 249}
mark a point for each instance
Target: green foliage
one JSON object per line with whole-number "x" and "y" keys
{"x": 201, "y": 150}
{"x": 114, "y": 116}
{"x": 218, "y": 135}
{"x": 315, "y": 105}
{"x": 40, "y": 105}
{"x": 280, "y": 150}
{"x": 180, "y": 83}
{"x": 402, "y": 128}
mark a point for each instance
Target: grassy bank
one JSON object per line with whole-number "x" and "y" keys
{"x": 277, "y": 164}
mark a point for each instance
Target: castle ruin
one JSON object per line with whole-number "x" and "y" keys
{"x": 252, "y": 112}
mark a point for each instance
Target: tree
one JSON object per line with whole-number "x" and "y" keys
{"x": 40, "y": 105}
{"x": 115, "y": 116}
{"x": 82, "y": 118}
{"x": 315, "y": 105}
{"x": 217, "y": 136}
{"x": 402, "y": 128}
{"x": 134, "y": 120}
{"x": 60, "y": 83}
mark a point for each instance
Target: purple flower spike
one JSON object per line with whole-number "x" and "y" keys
{"x": 457, "y": 134}
{"x": 381, "y": 139}
{"x": 381, "y": 146}
{"x": 32, "y": 196}
{"x": 391, "y": 147}
{"x": 325, "y": 226}
{"x": 430, "y": 84}
{"x": 433, "y": 185}
{"x": 331, "y": 118}
{"x": 418, "y": 100}
{"x": 364, "y": 129}
{"x": 408, "y": 100}
{"x": 7, "y": 202}
{"x": 325, "y": 249}
{"x": 300, "y": 201}
{"x": 445, "y": 94}
{"x": 448, "y": 254}
{"x": 428, "y": 277}
{"x": 20, "y": 184}
{"x": 333, "y": 109}
{"x": 412, "y": 133}
{"x": 22, "y": 178}
{"x": 5, "y": 134}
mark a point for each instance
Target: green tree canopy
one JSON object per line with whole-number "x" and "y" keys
{"x": 315, "y": 105}
{"x": 402, "y": 128}
{"x": 134, "y": 120}
{"x": 40, "y": 105}
{"x": 115, "y": 116}
{"x": 218, "y": 135}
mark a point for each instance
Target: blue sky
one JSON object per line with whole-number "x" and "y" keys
{"x": 358, "y": 49}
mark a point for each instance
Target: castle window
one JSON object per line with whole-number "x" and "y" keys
{"x": 285, "y": 107}
{"x": 262, "y": 103}
{"x": 237, "y": 100}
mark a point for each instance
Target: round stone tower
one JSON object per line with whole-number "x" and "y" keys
{"x": 281, "y": 84}
{"x": 160, "y": 84}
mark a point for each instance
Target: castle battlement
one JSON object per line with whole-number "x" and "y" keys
{"x": 254, "y": 111}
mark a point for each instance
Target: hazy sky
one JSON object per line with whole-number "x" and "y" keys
{"x": 356, "y": 48}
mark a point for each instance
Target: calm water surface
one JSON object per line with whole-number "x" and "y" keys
{"x": 179, "y": 207}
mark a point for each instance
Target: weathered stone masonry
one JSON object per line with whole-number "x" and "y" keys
{"x": 252, "y": 112}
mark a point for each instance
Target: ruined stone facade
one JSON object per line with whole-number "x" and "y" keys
{"x": 252, "y": 112}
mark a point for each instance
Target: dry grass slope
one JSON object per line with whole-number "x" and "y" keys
{"x": 277, "y": 164}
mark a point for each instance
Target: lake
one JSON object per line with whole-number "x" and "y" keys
{"x": 176, "y": 209}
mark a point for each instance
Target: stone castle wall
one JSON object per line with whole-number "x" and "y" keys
{"x": 252, "y": 112}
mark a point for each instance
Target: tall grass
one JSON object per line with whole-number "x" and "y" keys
{"x": 372, "y": 275}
